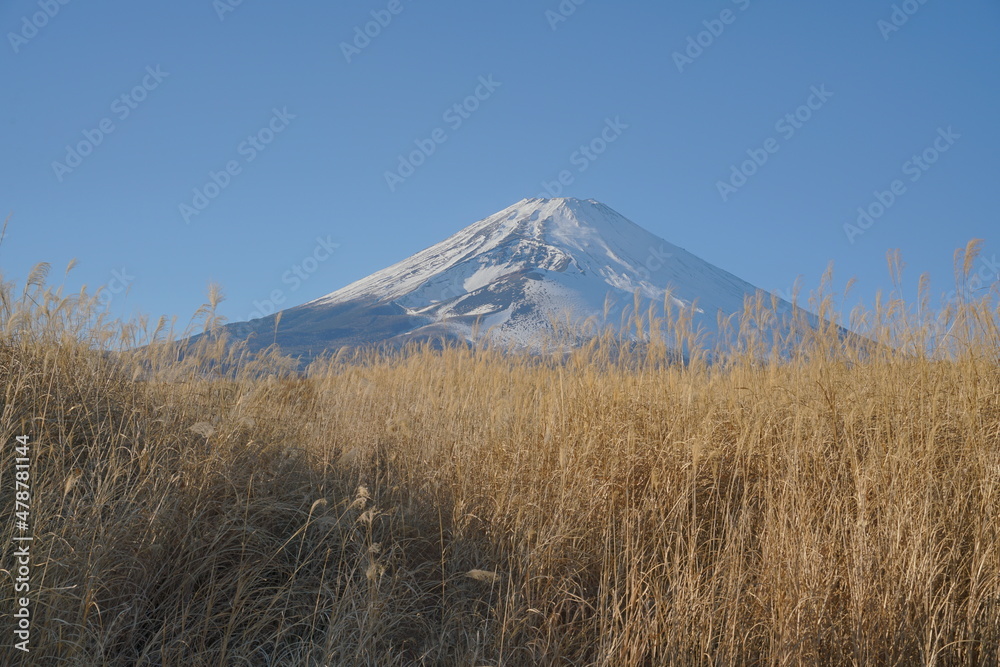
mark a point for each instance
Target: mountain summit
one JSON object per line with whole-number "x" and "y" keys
{"x": 508, "y": 277}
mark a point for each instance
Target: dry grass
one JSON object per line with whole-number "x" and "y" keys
{"x": 839, "y": 505}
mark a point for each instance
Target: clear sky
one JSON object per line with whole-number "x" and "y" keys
{"x": 116, "y": 113}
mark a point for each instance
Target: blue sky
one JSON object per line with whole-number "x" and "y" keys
{"x": 261, "y": 106}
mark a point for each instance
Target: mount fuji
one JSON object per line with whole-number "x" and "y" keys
{"x": 509, "y": 277}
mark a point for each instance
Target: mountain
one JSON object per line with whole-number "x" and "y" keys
{"x": 508, "y": 277}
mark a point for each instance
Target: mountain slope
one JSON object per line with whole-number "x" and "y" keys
{"x": 507, "y": 277}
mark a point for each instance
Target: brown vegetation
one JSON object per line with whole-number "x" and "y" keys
{"x": 466, "y": 507}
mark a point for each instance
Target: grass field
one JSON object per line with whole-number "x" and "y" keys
{"x": 837, "y": 505}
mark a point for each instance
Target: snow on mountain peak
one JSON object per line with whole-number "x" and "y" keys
{"x": 542, "y": 234}
{"x": 512, "y": 272}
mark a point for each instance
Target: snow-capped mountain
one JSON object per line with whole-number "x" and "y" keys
{"x": 508, "y": 277}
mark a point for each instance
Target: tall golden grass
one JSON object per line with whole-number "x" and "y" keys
{"x": 836, "y": 504}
